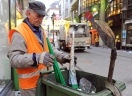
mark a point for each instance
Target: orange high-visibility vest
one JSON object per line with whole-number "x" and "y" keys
{"x": 28, "y": 77}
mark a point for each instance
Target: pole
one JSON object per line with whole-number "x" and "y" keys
{"x": 79, "y": 7}
{"x": 102, "y": 17}
{"x": 72, "y": 72}
{"x": 48, "y": 30}
{"x": 53, "y": 33}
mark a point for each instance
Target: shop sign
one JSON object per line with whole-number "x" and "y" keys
{"x": 123, "y": 42}
{"x": 124, "y": 34}
{"x": 123, "y": 37}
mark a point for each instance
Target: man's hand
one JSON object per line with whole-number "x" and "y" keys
{"x": 66, "y": 58}
{"x": 45, "y": 58}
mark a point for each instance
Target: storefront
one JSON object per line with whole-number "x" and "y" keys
{"x": 127, "y": 25}
{"x": 7, "y": 21}
{"x": 114, "y": 19}
{"x": 127, "y": 35}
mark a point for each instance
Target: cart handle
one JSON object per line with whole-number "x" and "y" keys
{"x": 50, "y": 71}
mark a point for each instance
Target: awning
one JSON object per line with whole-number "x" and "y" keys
{"x": 74, "y": 5}
{"x": 68, "y": 17}
{"x": 128, "y": 21}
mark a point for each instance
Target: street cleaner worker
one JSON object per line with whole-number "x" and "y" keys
{"x": 28, "y": 51}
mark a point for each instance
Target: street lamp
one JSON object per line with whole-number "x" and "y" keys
{"x": 53, "y": 18}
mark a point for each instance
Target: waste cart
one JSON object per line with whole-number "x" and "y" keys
{"x": 48, "y": 86}
{"x": 105, "y": 86}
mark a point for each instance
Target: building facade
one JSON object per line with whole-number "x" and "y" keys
{"x": 64, "y": 9}
{"x": 127, "y": 25}
{"x": 7, "y": 21}
{"x": 114, "y": 18}
{"x": 117, "y": 13}
{"x": 48, "y": 22}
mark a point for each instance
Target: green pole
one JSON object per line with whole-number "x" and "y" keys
{"x": 102, "y": 17}
{"x": 58, "y": 74}
{"x": 102, "y": 10}
{"x": 15, "y": 79}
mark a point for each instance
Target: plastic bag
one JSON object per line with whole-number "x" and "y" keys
{"x": 86, "y": 86}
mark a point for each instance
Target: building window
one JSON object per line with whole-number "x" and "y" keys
{"x": 71, "y": 1}
{"x": 129, "y": 34}
{"x": 86, "y": 5}
{"x": 114, "y": 8}
{"x": 129, "y": 27}
{"x": 60, "y": 10}
{"x": 129, "y": 13}
{"x": 129, "y": 37}
{"x": 129, "y": 2}
{"x": 66, "y": 12}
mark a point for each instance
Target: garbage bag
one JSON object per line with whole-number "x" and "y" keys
{"x": 86, "y": 86}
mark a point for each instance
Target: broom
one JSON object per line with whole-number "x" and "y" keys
{"x": 58, "y": 74}
{"x": 72, "y": 72}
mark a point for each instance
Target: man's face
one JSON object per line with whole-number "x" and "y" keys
{"x": 34, "y": 18}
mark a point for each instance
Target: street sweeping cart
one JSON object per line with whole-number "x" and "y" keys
{"x": 103, "y": 86}
{"x": 82, "y": 36}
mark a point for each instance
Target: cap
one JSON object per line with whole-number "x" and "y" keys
{"x": 38, "y": 7}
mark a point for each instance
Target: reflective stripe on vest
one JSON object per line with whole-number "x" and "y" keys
{"x": 32, "y": 74}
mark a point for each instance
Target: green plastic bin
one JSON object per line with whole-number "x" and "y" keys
{"x": 47, "y": 85}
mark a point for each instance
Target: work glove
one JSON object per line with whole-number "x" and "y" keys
{"x": 67, "y": 59}
{"x": 45, "y": 58}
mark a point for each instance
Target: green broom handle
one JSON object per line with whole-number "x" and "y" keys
{"x": 58, "y": 74}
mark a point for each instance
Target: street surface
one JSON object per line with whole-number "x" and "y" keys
{"x": 97, "y": 59}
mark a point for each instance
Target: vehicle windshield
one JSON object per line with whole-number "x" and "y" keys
{"x": 80, "y": 31}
